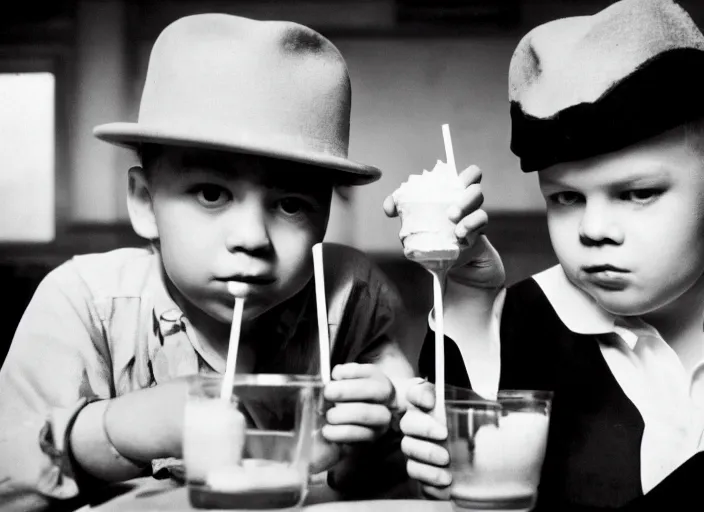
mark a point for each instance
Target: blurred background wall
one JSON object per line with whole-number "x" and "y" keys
{"x": 414, "y": 65}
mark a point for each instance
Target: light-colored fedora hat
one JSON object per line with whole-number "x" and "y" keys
{"x": 590, "y": 85}
{"x": 270, "y": 88}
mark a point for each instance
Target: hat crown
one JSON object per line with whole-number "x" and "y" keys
{"x": 258, "y": 79}
{"x": 271, "y": 88}
{"x": 578, "y": 59}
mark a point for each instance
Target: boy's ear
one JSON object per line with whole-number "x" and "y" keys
{"x": 139, "y": 204}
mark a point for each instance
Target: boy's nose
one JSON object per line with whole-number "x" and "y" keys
{"x": 247, "y": 228}
{"x": 598, "y": 226}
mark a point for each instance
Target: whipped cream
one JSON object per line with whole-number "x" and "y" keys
{"x": 442, "y": 184}
{"x": 422, "y": 202}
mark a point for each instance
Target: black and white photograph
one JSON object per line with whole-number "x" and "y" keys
{"x": 352, "y": 255}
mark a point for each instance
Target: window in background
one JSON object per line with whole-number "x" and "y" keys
{"x": 27, "y": 157}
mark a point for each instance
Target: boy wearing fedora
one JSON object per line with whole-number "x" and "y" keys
{"x": 608, "y": 110}
{"x": 243, "y": 132}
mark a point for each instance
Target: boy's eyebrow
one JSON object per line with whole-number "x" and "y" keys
{"x": 644, "y": 175}
{"x": 651, "y": 174}
{"x": 191, "y": 161}
{"x": 544, "y": 180}
{"x": 304, "y": 182}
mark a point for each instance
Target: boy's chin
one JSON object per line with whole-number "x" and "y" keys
{"x": 623, "y": 303}
{"x": 224, "y": 313}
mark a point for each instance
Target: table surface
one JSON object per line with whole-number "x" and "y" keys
{"x": 150, "y": 494}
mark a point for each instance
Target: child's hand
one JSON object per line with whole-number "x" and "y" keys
{"x": 325, "y": 454}
{"x": 423, "y": 436}
{"x": 362, "y": 395}
{"x": 479, "y": 265}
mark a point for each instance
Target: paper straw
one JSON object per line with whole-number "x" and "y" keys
{"x": 439, "y": 410}
{"x": 229, "y": 378}
{"x": 323, "y": 333}
{"x": 450, "y": 155}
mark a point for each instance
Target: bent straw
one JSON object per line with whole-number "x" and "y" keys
{"x": 449, "y": 154}
{"x": 323, "y": 333}
{"x": 229, "y": 378}
{"x": 439, "y": 410}
{"x": 438, "y": 278}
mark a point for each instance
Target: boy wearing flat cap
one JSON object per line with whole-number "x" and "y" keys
{"x": 608, "y": 110}
{"x": 243, "y": 132}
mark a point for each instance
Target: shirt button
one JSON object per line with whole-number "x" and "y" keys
{"x": 172, "y": 315}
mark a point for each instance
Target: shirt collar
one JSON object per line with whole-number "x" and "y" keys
{"x": 168, "y": 317}
{"x": 580, "y": 313}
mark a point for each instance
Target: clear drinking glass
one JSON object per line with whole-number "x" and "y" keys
{"x": 251, "y": 450}
{"x": 497, "y": 449}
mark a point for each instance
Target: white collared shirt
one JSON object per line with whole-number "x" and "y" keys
{"x": 670, "y": 401}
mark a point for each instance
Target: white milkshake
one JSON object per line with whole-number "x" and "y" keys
{"x": 503, "y": 468}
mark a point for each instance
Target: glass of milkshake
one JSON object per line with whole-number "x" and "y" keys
{"x": 253, "y": 450}
{"x": 497, "y": 450}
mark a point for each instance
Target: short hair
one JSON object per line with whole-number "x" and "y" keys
{"x": 149, "y": 156}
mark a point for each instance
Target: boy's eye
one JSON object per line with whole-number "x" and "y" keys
{"x": 293, "y": 205}
{"x": 212, "y": 195}
{"x": 565, "y": 198}
{"x": 642, "y": 195}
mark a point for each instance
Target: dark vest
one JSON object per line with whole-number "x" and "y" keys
{"x": 593, "y": 455}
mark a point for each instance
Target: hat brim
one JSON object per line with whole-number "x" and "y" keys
{"x": 662, "y": 93}
{"x": 132, "y": 135}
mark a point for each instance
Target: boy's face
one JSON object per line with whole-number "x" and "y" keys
{"x": 228, "y": 217}
{"x": 628, "y": 227}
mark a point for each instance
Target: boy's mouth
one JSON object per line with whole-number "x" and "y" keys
{"x": 249, "y": 279}
{"x": 606, "y": 277}
{"x": 595, "y": 269}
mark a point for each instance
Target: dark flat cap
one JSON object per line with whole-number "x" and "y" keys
{"x": 588, "y": 85}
